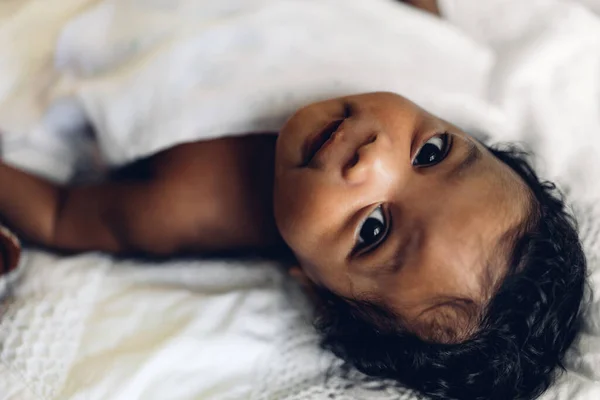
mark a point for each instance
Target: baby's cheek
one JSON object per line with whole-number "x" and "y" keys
{"x": 294, "y": 207}
{"x": 307, "y": 224}
{"x": 294, "y": 224}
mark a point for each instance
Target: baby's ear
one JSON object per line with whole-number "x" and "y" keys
{"x": 309, "y": 286}
{"x": 298, "y": 274}
{"x": 453, "y": 322}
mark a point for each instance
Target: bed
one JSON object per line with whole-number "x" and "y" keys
{"x": 148, "y": 74}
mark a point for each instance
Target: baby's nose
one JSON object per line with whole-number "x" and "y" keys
{"x": 371, "y": 163}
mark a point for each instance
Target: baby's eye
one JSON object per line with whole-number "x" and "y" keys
{"x": 372, "y": 231}
{"x": 433, "y": 151}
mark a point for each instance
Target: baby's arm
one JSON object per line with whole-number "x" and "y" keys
{"x": 198, "y": 199}
{"x": 110, "y": 216}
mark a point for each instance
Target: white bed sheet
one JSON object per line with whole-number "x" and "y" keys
{"x": 91, "y": 327}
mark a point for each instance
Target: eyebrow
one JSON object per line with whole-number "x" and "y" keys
{"x": 398, "y": 259}
{"x": 473, "y": 155}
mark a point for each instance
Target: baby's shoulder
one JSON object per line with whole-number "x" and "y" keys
{"x": 224, "y": 184}
{"x": 231, "y": 156}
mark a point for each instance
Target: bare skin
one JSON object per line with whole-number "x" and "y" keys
{"x": 343, "y": 187}
{"x": 10, "y": 250}
{"x": 375, "y": 197}
{"x": 198, "y": 197}
{"x": 398, "y": 206}
{"x": 107, "y": 216}
{"x": 430, "y": 6}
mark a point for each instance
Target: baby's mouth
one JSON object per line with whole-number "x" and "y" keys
{"x": 317, "y": 142}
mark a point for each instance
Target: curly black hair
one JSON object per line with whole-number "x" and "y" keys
{"x": 523, "y": 332}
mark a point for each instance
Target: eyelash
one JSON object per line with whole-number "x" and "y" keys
{"x": 387, "y": 227}
{"x": 447, "y": 142}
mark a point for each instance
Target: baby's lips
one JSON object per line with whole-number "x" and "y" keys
{"x": 10, "y": 250}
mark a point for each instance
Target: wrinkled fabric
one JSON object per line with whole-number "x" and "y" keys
{"x": 148, "y": 74}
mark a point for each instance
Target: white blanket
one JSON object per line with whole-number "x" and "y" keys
{"x": 147, "y": 74}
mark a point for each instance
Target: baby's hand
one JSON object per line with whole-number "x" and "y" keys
{"x": 10, "y": 250}
{"x": 430, "y": 6}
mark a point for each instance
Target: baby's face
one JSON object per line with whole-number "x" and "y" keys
{"x": 379, "y": 199}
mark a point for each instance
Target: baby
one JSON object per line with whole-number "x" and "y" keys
{"x": 433, "y": 259}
